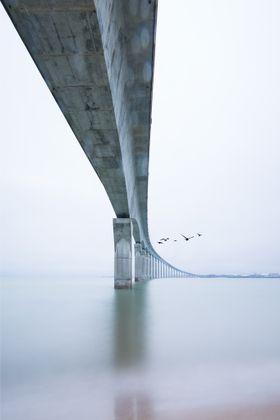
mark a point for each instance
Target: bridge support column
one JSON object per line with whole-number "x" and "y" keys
{"x": 156, "y": 268}
{"x": 150, "y": 267}
{"x": 146, "y": 265}
{"x": 138, "y": 262}
{"x": 161, "y": 269}
{"x": 153, "y": 267}
{"x": 123, "y": 272}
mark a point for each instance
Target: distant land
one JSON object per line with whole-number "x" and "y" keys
{"x": 240, "y": 276}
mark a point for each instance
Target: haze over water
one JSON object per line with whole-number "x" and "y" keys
{"x": 76, "y": 348}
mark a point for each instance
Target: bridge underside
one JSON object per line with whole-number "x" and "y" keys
{"x": 97, "y": 58}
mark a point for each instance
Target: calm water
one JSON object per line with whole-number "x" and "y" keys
{"x": 73, "y": 348}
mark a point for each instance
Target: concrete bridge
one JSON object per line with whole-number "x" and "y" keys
{"x": 97, "y": 58}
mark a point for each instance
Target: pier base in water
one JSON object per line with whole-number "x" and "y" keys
{"x": 123, "y": 243}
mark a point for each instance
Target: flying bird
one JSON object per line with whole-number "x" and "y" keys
{"x": 159, "y": 242}
{"x": 187, "y": 238}
{"x": 199, "y": 234}
{"x": 164, "y": 239}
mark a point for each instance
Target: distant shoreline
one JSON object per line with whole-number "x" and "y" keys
{"x": 239, "y": 276}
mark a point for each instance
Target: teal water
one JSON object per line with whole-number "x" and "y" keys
{"x": 76, "y": 348}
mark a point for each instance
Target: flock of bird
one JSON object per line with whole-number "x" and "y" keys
{"x": 187, "y": 238}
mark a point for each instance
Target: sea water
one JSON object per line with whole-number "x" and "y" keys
{"x": 75, "y": 348}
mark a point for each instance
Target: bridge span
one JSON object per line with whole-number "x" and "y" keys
{"x": 97, "y": 59}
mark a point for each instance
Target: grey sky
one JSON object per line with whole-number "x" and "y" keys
{"x": 214, "y": 163}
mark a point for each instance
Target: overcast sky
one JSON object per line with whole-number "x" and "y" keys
{"x": 214, "y": 162}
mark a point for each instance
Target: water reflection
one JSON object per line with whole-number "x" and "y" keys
{"x": 129, "y": 320}
{"x": 130, "y": 351}
{"x": 133, "y": 407}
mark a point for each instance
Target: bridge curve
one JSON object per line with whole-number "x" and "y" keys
{"x": 97, "y": 58}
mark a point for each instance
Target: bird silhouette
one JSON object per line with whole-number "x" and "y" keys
{"x": 187, "y": 238}
{"x": 164, "y": 239}
{"x": 159, "y": 242}
{"x": 199, "y": 234}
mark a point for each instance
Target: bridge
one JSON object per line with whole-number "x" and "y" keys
{"x": 97, "y": 59}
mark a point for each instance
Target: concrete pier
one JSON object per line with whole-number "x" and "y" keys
{"x": 138, "y": 262}
{"x": 123, "y": 232}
